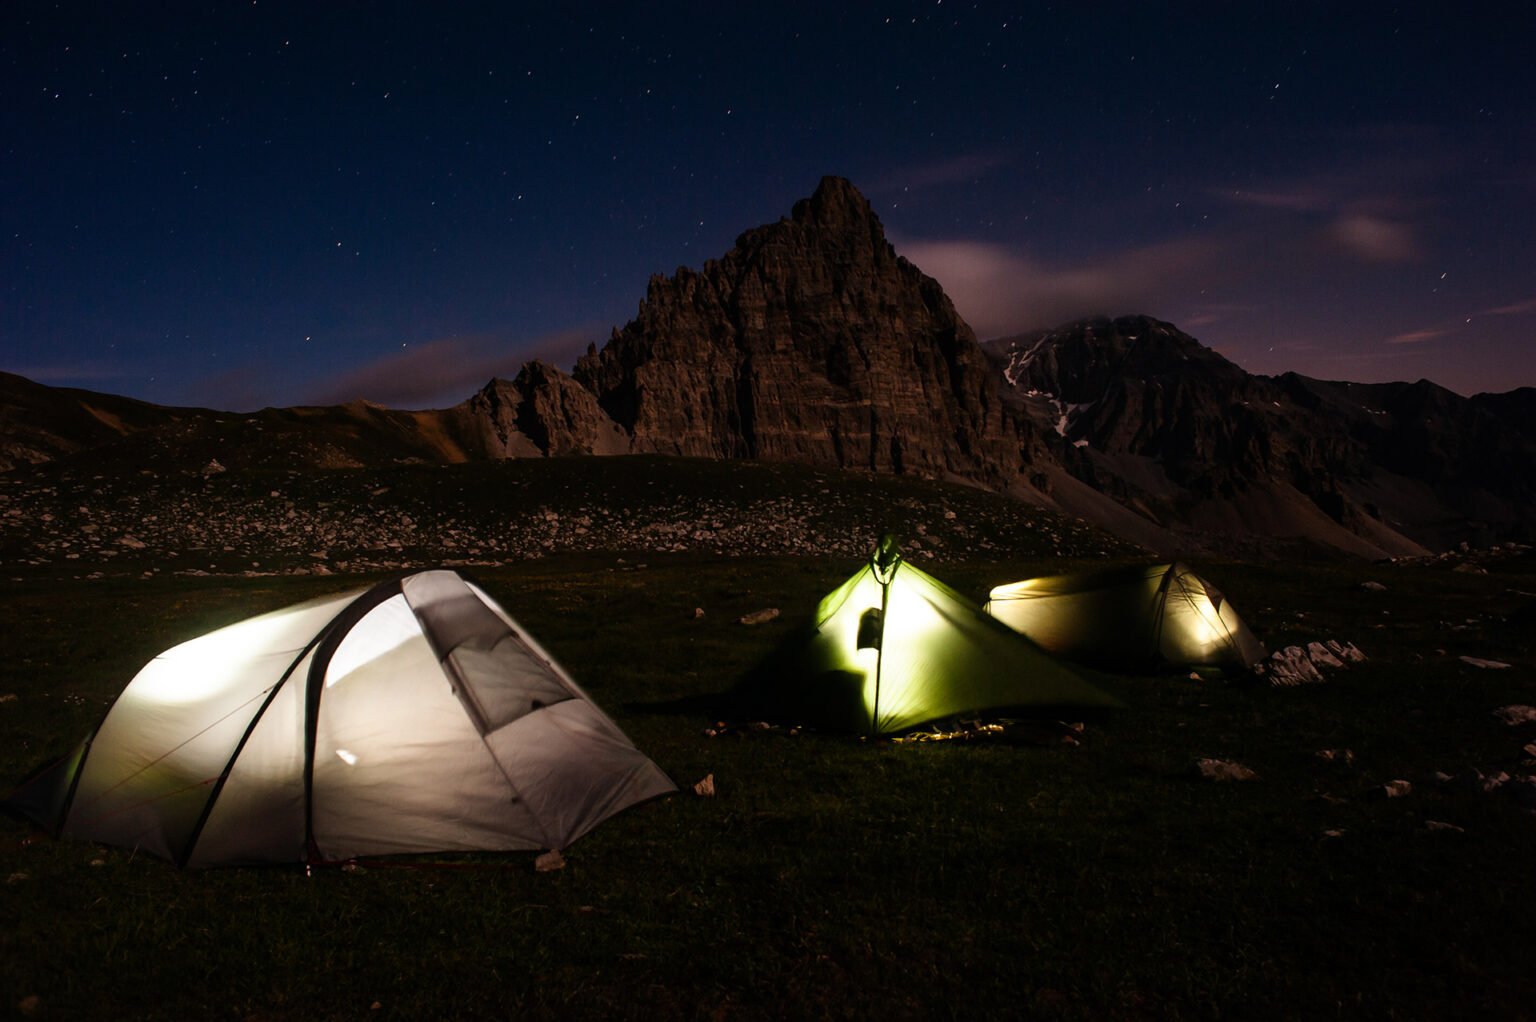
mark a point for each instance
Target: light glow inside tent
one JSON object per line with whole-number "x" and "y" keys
{"x": 340, "y": 728}
{"x": 883, "y": 658}
{"x": 210, "y": 665}
{"x": 1133, "y": 617}
{"x": 385, "y": 629}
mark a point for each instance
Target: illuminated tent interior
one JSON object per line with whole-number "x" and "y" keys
{"x": 1130, "y": 618}
{"x": 893, "y": 647}
{"x": 415, "y": 716}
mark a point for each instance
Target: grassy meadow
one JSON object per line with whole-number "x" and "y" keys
{"x": 1011, "y": 875}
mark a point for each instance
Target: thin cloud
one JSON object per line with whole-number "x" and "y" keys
{"x": 1416, "y": 336}
{"x": 1375, "y": 239}
{"x": 1369, "y": 212}
{"x": 444, "y": 371}
{"x": 957, "y": 170}
{"x": 999, "y": 290}
{"x": 1516, "y": 309}
{"x": 73, "y": 372}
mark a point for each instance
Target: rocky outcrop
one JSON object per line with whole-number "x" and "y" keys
{"x": 812, "y": 341}
{"x": 543, "y": 412}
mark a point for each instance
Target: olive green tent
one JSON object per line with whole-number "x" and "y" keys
{"x": 894, "y": 647}
{"x": 1130, "y": 618}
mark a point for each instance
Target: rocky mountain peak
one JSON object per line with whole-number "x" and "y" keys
{"x": 811, "y": 340}
{"x": 835, "y": 204}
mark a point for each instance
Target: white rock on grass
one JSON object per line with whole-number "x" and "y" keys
{"x": 1290, "y": 666}
{"x": 1321, "y": 657}
{"x": 1395, "y": 789}
{"x": 1345, "y": 651}
{"x": 1487, "y": 665}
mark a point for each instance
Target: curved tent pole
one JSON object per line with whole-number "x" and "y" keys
{"x": 185, "y": 855}
{"x": 330, "y": 640}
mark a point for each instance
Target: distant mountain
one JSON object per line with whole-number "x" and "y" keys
{"x": 1145, "y": 413}
{"x": 812, "y": 341}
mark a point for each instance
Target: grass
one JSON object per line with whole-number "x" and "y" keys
{"x": 833, "y": 877}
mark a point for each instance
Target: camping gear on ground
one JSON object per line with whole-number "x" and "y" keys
{"x": 1136, "y": 618}
{"x": 894, "y": 647}
{"x": 414, "y": 716}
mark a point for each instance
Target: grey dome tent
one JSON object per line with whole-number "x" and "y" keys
{"x": 1140, "y": 617}
{"x": 414, "y": 716}
{"x": 893, "y": 647}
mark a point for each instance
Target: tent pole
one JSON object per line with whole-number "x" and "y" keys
{"x": 885, "y": 599}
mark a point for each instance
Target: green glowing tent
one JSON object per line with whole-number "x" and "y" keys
{"x": 415, "y": 716}
{"x": 894, "y": 647}
{"x": 1136, "y": 618}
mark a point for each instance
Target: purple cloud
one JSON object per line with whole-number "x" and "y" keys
{"x": 445, "y": 371}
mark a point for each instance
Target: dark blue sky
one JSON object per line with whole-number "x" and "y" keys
{"x": 238, "y": 204}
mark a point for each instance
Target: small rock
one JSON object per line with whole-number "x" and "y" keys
{"x": 1345, "y": 756}
{"x": 698, "y": 613}
{"x": 1291, "y": 666}
{"x": 1373, "y": 587}
{"x": 1516, "y": 714}
{"x": 213, "y": 468}
{"x": 1493, "y": 782}
{"x": 1395, "y": 789}
{"x": 1487, "y": 665}
{"x": 9, "y": 697}
{"x": 1321, "y": 657}
{"x": 30, "y": 1006}
{"x": 1345, "y": 651}
{"x": 1443, "y": 827}
{"x": 1529, "y": 750}
{"x": 1223, "y": 770}
{"x": 758, "y": 617}
{"x": 1333, "y": 833}
{"x": 706, "y": 787}
{"x": 549, "y": 862}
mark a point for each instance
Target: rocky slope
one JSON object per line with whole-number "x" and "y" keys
{"x": 1147, "y": 414}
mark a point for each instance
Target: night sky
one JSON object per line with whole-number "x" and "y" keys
{"x": 237, "y": 204}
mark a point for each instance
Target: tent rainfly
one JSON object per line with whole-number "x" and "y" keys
{"x": 894, "y": 647}
{"x": 415, "y": 716}
{"x": 1130, "y": 618}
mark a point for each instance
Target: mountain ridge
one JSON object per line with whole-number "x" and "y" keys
{"x": 813, "y": 341}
